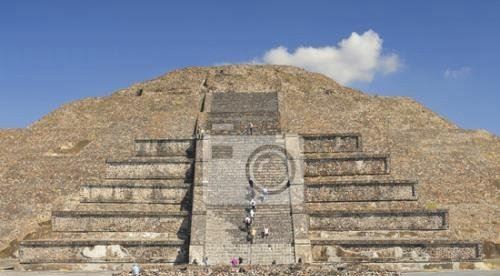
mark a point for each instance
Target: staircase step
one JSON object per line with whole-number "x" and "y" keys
{"x": 339, "y": 142}
{"x": 164, "y": 147}
{"x": 121, "y": 221}
{"x": 359, "y": 220}
{"x": 346, "y": 164}
{"x": 361, "y": 190}
{"x": 130, "y": 192}
{"x": 150, "y": 168}
{"x": 395, "y": 251}
{"x": 102, "y": 251}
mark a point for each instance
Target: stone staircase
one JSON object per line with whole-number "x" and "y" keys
{"x": 229, "y": 163}
{"x": 231, "y": 113}
{"x": 358, "y": 213}
{"x": 139, "y": 213}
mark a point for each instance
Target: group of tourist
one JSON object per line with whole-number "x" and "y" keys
{"x": 251, "y": 211}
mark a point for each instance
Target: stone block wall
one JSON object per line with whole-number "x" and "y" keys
{"x": 135, "y": 193}
{"x": 355, "y": 164}
{"x": 379, "y": 220}
{"x": 100, "y": 252}
{"x": 164, "y": 147}
{"x": 151, "y": 169}
{"x": 368, "y": 190}
{"x": 175, "y": 224}
{"x": 331, "y": 143}
{"x": 395, "y": 251}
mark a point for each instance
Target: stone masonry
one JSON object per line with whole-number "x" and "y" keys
{"x": 331, "y": 186}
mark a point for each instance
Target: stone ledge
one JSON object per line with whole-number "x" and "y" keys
{"x": 160, "y": 140}
{"x": 329, "y": 164}
{"x": 391, "y": 242}
{"x": 138, "y": 185}
{"x": 314, "y": 183}
{"x": 387, "y": 251}
{"x": 360, "y": 190}
{"x": 164, "y": 147}
{"x": 331, "y": 142}
{"x": 149, "y": 160}
{"x": 102, "y": 251}
{"x": 387, "y": 211}
{"x": 379, "y": 220}
{"x": 46, "y": 243}
{"x": 119, "y": 214}
{"x": 344, "y": 156}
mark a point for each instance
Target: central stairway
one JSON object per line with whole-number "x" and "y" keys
{"x": 228, "y": 196}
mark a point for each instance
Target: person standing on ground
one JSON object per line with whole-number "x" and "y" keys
{"x": 250, "y": 128}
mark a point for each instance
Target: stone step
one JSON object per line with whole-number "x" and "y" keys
{"x": 227, "y": 123}
{"x": 150, "y": 168}
{"x": 102, "y": 251}
{"x": 122, "y": 221}
{"x": 243, "y": 116}
{"x": 361, "y": 206}
{"x": 380, "y": 235}
{"x": 120, "y": 207}
{"x": 238, "y": 208}
{"x": 263, "y": 254}
{"x": 361, "y": 190}
{"x": 241, "y": 127}
{"x": 164, "y": 147}
{"x": 346, "y": 164}
{"x": 130, "y": 192}
{"x": 337, "y": 142}
{"x": 338, "y": 251}
{"x": 110, "y": 236}
{"x": 228, "y": 226}
{"x": 379, "y": 220}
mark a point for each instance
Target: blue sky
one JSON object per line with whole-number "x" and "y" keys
{"x": 54, "y": 52}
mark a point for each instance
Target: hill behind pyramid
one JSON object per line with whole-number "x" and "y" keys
{"x": 43, "y": 166}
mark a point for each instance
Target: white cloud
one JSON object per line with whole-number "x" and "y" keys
{"x": 457, "y": 73}
{"x": 356, "y": 58}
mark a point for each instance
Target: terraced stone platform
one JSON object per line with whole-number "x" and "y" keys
{"x": 361, "y": 190}
{"x": 395, "y": 251}
{"x": 149, "y": 168}
{"x": 346, "y": 164}
{"x": 139, "y": 213}
{"x": 185, "y": 200}
{"x": 101, "y": 251}
{"x": 323, "y": 143}
{"x": 174, "y": 223}
{"x": 145, "y": 191}
{"x": 379, "y": 220}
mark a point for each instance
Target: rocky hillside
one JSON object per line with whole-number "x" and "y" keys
{"x": 43, "y": 165}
